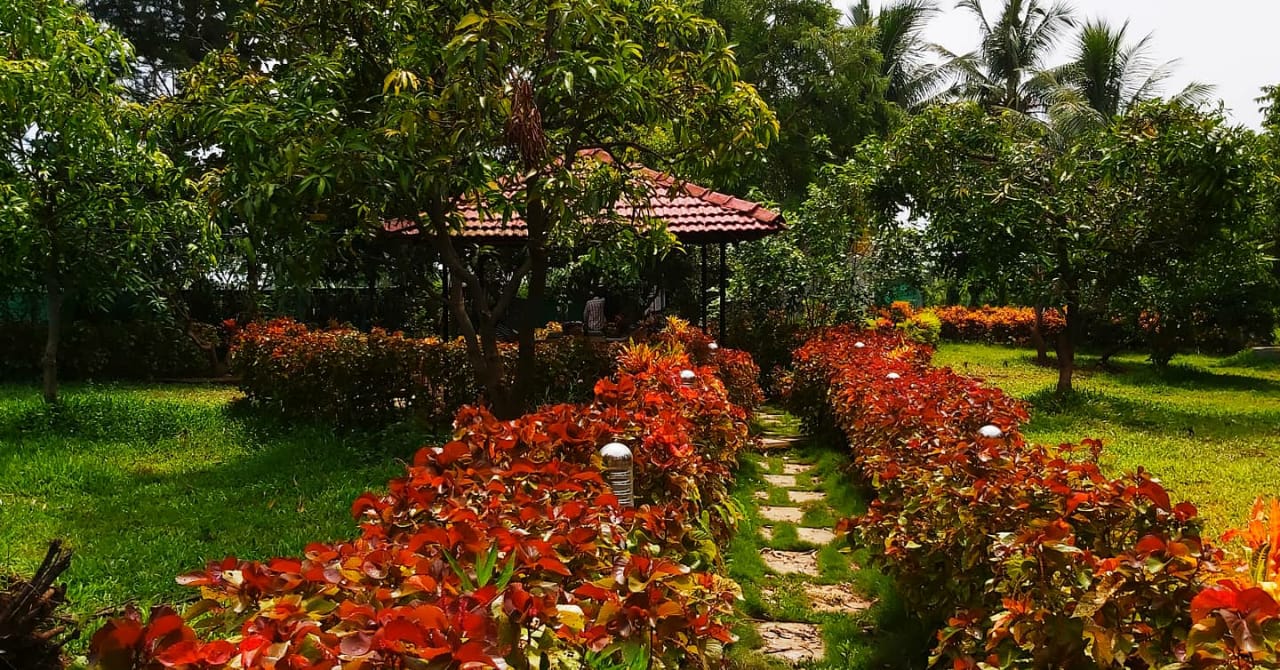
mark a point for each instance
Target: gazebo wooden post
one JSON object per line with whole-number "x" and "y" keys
{"x": 724, "y": 290}
{"x": 444, "y": 300}
{"x": 702, "y": 301}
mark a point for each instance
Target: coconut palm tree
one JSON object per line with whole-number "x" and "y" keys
{"x": 1107, "y": 75}
{"x": 899, "y": 28}
{"x": 1006, "y": 70}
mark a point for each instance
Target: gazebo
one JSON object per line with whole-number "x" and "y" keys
{"x": 695, "y": 215}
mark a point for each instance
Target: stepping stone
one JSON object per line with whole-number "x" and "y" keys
{"x": 802, "y": 497}
{"x": 791, "y": 562}
{"x": 767, "y": 533}
{"x": 761, "y": 495}
{"x": 778, "y": 442}
{"x": 784, "y": 481}
{"x": 781, "y": 514}
{"x": 818, "y": 536}
{"x": 791, "y": 642}
{"x": 795, "y": 468}
{"x": 836, "y": 598}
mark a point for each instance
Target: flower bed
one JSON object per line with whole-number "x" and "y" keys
{"x": 350, "y": 377}
{"x": 1028, "y": 555}
{"x": 502, "y": 548}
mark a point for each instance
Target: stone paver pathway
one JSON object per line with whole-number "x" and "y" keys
{"x": 791, "y": 562}
{"x": 799, "y": 586}
{"x": 782, "y": 514}
{"x": 792, "y": 642}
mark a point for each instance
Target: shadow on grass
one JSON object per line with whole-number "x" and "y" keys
{"x": 1248, "y": 360}
{"x": 1185, "y": 376}
{"x": 145, "y": 489}
{"x": 1051, "y": 411}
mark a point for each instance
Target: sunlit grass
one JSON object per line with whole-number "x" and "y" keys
{"x": 145, "y": 483}
{"x": 1208, "y": 427}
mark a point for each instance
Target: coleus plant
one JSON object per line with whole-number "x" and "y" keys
{"x": 996, "y": 324}
{"x": 1029, "y": 554}
{"x": 502, "y": 548}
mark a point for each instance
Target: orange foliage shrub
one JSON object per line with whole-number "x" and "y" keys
{"x": 996, "y": 324}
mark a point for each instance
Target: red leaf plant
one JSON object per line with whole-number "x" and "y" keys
{"x": 501, "y": 548}
{"x": 1029, "y": 553}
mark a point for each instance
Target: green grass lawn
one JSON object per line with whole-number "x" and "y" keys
{"x": 148, "y": 482}
{"x": 1208, "y": 427}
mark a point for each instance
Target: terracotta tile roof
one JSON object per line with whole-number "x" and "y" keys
{"x": 692, "y": 213}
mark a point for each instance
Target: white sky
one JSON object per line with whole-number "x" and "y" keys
{"x": 1232, "y": 44}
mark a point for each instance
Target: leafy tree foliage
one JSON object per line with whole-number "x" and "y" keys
{"x": 356, "y": 113}
{"x": 1158, "y": 205}
{"x": 823, "y": 78}
{"x": 87, "y": 202}
{"x": 1269, "y": 154}
{"x": 169, "y": 36}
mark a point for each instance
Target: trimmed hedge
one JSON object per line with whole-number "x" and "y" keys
{"x": 115, "y": 350}
{"x": 503, "y": 548}
{"x": 1028, "y": 554}
{"x": 996, "y": 325}
{"x": 350, "y": 377}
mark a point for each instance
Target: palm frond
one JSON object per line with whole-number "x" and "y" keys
{"x": 975, "y": 7}
{"x": 1042, "y": 29}
{"x": 899, "y": 28}
{"x": 1196, "y": 94}
{"x": 1113, "y": 74}
{"x": 861, "y": 14}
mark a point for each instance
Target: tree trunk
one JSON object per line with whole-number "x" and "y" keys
{"x": 371, "y": 293}
{"x": 49, "y": 362}
{"x": 1104, "y": 361}
{"x": 252, "y": 279}
{"x": 527, "y": 361}
{"x": 217, "y": 366}
{"x": 501, "y": 393}
{"x": 1037, "y": 337}
{"x": 481, "y": 338}
{"x": 975, "y": 294}
{"x": 1067, "y": 350}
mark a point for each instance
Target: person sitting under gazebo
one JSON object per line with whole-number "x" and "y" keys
{"x": 594, "y": 319}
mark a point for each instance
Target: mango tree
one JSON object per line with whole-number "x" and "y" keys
{"x": 414, "y": 110}
{"x": 1140, "y": 207}
{"x": 85, "y": 196}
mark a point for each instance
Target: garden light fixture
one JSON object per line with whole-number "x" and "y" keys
{"x": 688, "y": 377}
{"x": 619, "y": 473}
{"x": 990, "y": 431}
{"x": 893, "y": 375}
